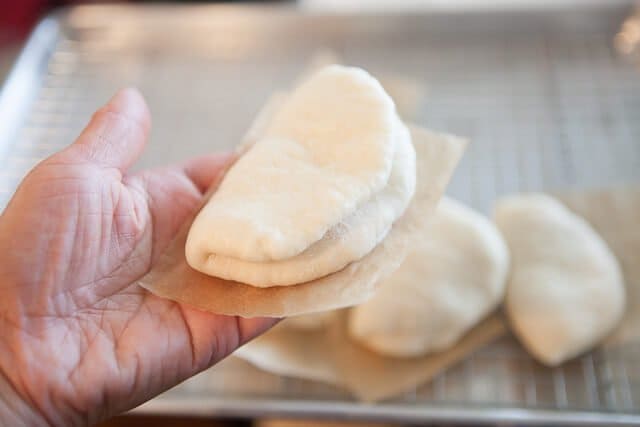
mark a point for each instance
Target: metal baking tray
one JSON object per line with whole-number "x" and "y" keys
{"x": 543, "y": 95}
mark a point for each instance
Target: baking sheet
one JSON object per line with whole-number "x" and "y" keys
{"x": 545, "y": 99}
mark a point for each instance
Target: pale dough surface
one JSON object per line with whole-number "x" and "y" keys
{"x": 566, "y": 290}
{"x": 328, "y": 149}
{"x": 407, "y": 93}
{"x": 614, "y": 214}
{"x": 453, "y": 276}
{"x": 347, "y": 241}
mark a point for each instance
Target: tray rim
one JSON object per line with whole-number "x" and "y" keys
{"x": 382, "y": 412}
{"x": 17, "y": 92}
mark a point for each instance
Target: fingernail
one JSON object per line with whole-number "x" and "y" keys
{"x": 125, "y": 98}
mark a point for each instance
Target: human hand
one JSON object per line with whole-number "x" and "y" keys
{"x": 79, "y": 339}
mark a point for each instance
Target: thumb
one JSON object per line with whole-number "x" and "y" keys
{"x": 117, "y": 133}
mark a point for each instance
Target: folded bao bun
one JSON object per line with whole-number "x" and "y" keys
{"x": 320, "y": 189}
{"x": 454, "y": 275}
{"x": 317, "y": 208}
{"x": 566, "y": 291}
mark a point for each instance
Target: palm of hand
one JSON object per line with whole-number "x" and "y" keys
{"x": 85, "y": 340}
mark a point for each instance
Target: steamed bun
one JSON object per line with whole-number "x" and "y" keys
{"x": 451, "y": 278}
{"x": 329, "y": 171}
{"x": 566, "y": 290}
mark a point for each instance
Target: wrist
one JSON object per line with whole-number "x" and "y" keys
{"x": 27, "y": 396}
{"x": 14, "y": 410}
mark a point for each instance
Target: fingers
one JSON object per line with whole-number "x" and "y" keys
{"x": 202, "y": 171}
{"x": 213, "y": 336}
{"x": 117, "y": 133}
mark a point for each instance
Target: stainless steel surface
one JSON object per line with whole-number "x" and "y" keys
{"x": 543, "y": 96}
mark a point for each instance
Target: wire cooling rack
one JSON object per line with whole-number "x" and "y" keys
{"x": 545, "y": 99}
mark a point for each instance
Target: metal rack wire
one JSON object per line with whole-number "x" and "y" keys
{"x": 544, "y": 98}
